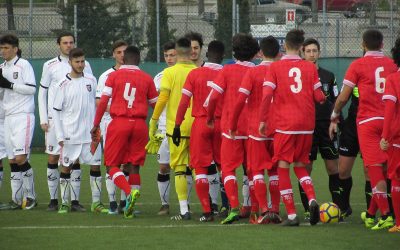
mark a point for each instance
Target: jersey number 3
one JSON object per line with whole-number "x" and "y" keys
{"x": 296, "y": 73}
{"x": 130, "y": 97}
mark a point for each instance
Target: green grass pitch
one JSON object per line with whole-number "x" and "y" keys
{"x": 38, "y": 229}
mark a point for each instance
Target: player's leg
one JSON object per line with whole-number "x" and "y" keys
{"x": 393, "y": 172}
{"x": 214, "y": 189}
{"x": 202, "y": 190}
{"x": 65, "y": 182}
{"x": 396, "y": 203}
{"x": 189, "y": 180}
{"x": 3, "y": 152}
{"x": 122, "y": 201}
{"x": 246, "y": 206}
{"x": 163, "y": 176}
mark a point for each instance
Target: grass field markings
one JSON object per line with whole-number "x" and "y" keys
{"x": 121, "y": 226}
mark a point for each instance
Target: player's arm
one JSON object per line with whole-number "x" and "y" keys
{"x": 29, "y": 86}
{"x": 217, "y": 90}
{"x": 101, "y": 108}
{"x": 42, "y": 98}
{"x": 390, "y": 100}
{"x": 268, "y": 93}
{"x": 99, "y": 90}
{"x": 57, "y": 107}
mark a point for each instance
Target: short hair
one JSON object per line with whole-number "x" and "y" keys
{"x": 168, "y": 45}
{"x": 183, "y": 46}
{"x": 75, "y": 53}
{"x": 194, "y": 36}
{"x": 396, "y": 52}
{"x": 64, "y": 34}
{"x": 10, "y": 39}
{"x": 132, "y": 55}
{"x": 294, "y": 39}
{"x": 216, "y": 49}
{"x": 118, "y": 44}
{"x": 372, "y": 39}
{"x": 270, "y": 46}
{"x": 244, "y": 47}
{"x": 309, "y": 41}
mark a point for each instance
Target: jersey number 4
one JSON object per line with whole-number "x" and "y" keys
{"x": 130, "y": 97}
{"x": 296, "y": 74}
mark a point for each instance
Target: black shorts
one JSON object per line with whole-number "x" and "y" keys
{"x": 322, "y": 142}
{"x": 348, "y": 138}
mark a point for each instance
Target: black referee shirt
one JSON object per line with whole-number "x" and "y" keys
{"x": 331, "y": 91}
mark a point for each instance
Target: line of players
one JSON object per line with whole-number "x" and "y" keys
{"x": 234, "y": 143}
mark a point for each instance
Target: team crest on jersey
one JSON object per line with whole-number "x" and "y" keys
{"x": 66, "y": 159}
{"x": 325, "y": 87}
{"x": 89, "y": 87}
{"x": 15, "y": 75}
{"x": 51, "y": 148}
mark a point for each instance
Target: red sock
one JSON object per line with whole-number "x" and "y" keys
{"x": 119, "y": 180}
{"x": 396, "y": 200}
{"x": 375, "y": 174}
{"x": 134, "y": 179}
{"x": 373, "y": 207}
{"x": 286, "y": 191}
{"x": 260, "y": 192}
{"x": 305, "y": 182}
{"x": 231, "y": 189}
{"x": 274, "y": 190}
{"x": 253, "y": 198}
{"x": 202, "y": 188}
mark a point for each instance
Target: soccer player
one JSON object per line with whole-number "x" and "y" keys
{"x": 163, "y": 177}
{"x": 294, "y": 85}
{"x": 74, "y": 106}
{"x": 196, "y": 44}
{"x": 170, "y": 93}
{"x": 321, "y": 139}
{"x": 260, "y": 149}
{"x": 390, "y": 141}
{"x": 118, "y": 49}
{"x": 3, "y": 152}
{"x": 203, "y": 146}
{"x": 18, "y": 87}
{"x": 368, "y": 74}
{"x": 54, "y": 71}
{"x": 226, "y": 86}
{"x": 131, "y": 91}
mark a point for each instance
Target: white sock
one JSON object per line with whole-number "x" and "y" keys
{"x": 183, "y": 205}
{"x": 189, "y": 180}
{"x": 246, "y": 191}
{"x": 28, "y": 183}
{"x": 213, "y": 181}
{"x": 16, "y": 187}
{"x": 75, "y": 184}
{"x": 64, "y": 188}
{"x": 163, "y": 189}
{"x": 95, "y": 186}
{"x": 292, "y": 216}
{"x": 123, "y": 195}
{"x": 53, "y": 178}
{"x": 111, "y": 188}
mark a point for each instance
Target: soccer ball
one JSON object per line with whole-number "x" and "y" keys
{"x": 329, "y": 212}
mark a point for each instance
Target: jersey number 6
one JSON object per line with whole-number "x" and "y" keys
{"x": 130, "y": 97}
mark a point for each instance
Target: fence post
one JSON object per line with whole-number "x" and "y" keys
{"x": 233, "y": 16}
{"x": 391, "y": 24}
{"x": 324, "y": 25}
{"x": 30, "y": 28}
{"x": 337, "y": 37}
{"x": 76, "y": 24}
{"x": 237, "y": 18}
{"x": 158, "y": 29}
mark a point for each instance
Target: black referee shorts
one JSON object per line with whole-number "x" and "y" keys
{"x": 348, "y": 138}
{"x": 322, "y": 142}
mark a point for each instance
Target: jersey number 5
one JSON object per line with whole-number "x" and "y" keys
{"x": 296, "y": 73}
{"x": 379, "y": 81}
{"x": 130, "y": 97}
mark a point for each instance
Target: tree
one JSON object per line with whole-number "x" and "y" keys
{"x": 223, "y": 26}
{"x": 244, "y": 18}
{"x": 165, "y": 34}
{"x": 10, "y": 15}
{"x": 99, "y": 24}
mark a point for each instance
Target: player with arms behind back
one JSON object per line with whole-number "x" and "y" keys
{"x": 368, "y": 73}
{"x": 294, "y": 85}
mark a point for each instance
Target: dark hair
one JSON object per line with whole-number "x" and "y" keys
{"x": 372, "y": 39}
{"x": 132, "y": 55}
{"x": 244, "y": 46}
{"x": 396, "y": 52}
{"x": 168, "y": 45}
{"x": 294, "y": 39}
{"x": 216, "y": 49}
{"x": 182, "y": 42}
{"x": 64, "y": 34}
{"x": 10, "y": 39}
{"x": 118, "y": 44}
{"x": 309, "y": 41}
{"x": 194, "y": 36}
{"x": 269, "y": 46}
{"x": 75, "y": 53}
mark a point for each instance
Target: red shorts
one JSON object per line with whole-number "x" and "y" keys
{"x": 233, "y": 153}
{"x": 259, "y": 154}
{"x": 369, "y": 136}
{"x": 292, "y": 147}
{"x": 126, "y": 141}
{"x": 201, "y": 144}
{"x": 393, "y": 154}
{"x": 217, "y": 141}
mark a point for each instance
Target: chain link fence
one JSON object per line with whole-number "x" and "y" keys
{"x": 98, "y": 23}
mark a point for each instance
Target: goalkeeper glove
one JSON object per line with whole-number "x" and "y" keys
{"x": 152, "y": 128}
{"x": 4, "y": 83}
{"x": 176, "y": 136}
{"x": 159, "y": 136}
{"x": 153, "y": 146}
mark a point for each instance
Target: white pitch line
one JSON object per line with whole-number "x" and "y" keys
{"x": 119, "y": 226}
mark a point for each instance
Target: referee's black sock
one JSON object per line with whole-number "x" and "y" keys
{"x": 345, "y": 186}
{"x": 304, "y": 199}
{"x": 368, "y": 193}
{"x": 334, "y": 188}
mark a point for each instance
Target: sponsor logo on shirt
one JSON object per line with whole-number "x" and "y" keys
{"x": 89, "y": 87}
{"x": 15, "y": 75}
{"x": 19, "y": 150}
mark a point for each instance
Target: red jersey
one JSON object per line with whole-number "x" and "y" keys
{"x": 392, "y": 93}
{"x": 294, "y": 81}
{"x": 369, "y": 74}
{"x": 252, "y": 85}
{"x": 131, "y": 91}
{"x": 227, "y": 83}
{"x": 197, "y": 84}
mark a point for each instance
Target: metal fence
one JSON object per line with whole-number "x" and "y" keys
{"x": 37, "y": 27}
